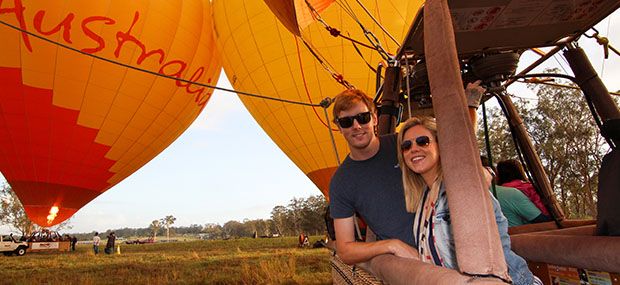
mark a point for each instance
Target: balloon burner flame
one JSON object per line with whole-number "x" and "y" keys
{"x": 53, "y": 213}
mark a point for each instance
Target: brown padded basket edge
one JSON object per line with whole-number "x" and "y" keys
{"x": 343, "y": 273}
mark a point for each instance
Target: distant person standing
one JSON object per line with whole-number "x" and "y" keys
{"x": 73, "y": 243}
{"x": 302, "y": 237}
{"x": 96, "y": 241}
{"x": 109, "y": 247}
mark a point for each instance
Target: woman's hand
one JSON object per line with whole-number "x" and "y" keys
{"x": 473, "y": 93}
{"x": 489, "y": 175}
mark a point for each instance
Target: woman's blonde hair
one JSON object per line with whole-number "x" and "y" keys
{"x": 413, "y": 183}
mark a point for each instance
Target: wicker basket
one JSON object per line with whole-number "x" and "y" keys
{"x": 343, "y": 273}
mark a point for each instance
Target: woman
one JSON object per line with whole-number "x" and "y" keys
{"x": 510, "y": 174}
{"x": 425, "y": 195}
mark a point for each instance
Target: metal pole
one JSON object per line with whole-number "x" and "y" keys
{"x": 389, "y": 101}
{"x": 592, "y": 85}
{"x": 531, "y": 157}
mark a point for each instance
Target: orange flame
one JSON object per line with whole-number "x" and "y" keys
{"x": 53, "y": 213}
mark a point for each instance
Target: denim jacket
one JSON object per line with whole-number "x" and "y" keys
{"x": 517, "y": 267}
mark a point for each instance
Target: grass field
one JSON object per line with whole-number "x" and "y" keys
{"x": 242, "y": 261}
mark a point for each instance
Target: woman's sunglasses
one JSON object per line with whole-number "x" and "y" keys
{"x": 420, "y": 141}
{"x": 347, "y": 122}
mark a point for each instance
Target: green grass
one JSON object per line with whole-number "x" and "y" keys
{"x": 242, "y": 261}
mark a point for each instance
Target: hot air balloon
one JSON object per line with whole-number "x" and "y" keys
{"x": 293, "y": 56}
{"x": 301, "y": 61}
{"x": 71, "y": 125}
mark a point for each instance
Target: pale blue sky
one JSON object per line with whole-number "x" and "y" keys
{"x": 224, "y": 167}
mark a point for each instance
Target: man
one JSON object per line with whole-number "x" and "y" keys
{"x": 369, "y": 183}
{"x": 109, "y": 247}
{"x": 73, "y": 243}
{"x": 96, "y": 241}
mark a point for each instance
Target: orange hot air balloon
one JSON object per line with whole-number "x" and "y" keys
{"x": 72, "y": 126}
{"x": 263, "y": 55}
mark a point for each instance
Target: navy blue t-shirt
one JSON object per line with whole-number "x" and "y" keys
{"x": 374, "y": 189}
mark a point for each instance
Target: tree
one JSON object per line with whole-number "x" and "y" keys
{"x": 313, "y": 209}
{"x": 167, "y": 222}
{"x": 294, "y": 214}
{"x": 12, "y": 212}
{"x": 258, "y": 226}
{"x": 236, "y": 229}
{"x": 154, "y": 227}
{"x": 213, "y": 231}
{"x": 278, "y": 216}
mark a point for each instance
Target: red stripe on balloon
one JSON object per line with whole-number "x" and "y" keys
{"x": 48, "y": 159}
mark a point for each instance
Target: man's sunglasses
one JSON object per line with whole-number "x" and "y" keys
{"x": 347, "y": 122}
{"x": 420, "y": 141}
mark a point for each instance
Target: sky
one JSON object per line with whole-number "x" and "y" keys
{"x": 225, "y": 167}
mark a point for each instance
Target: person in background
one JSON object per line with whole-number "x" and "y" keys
{"x": 425, "y": 195}
{"x": 301, "y": 240}
{"x": 109, "y": 247}
{"x": 96, "y": 241}
{"x": 510, "y": 174}
{"x": 73, "y": 242}
{"x": 517, "y": 208}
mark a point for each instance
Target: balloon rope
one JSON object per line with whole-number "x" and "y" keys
{"x": 377, "y": 22}
{"x": 408, "y": 87}
{"x": 376, "y": 45}
{"x": 331, "y": 132}
{"x": 303, "y": 78}
{"x": 156, "y": 73}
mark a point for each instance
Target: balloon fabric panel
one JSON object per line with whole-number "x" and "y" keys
{"x": 262, "y": 56}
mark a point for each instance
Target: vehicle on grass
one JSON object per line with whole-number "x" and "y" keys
{"x": 9, "y": 246}
{"x": 140, "y": 241}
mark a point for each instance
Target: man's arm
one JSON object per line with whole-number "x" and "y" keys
{"x": 352, "y": 252}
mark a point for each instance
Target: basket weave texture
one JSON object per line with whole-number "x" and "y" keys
{"x": 344, "y": 274}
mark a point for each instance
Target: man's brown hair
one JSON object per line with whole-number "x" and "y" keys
{"x": 346, "y": 99}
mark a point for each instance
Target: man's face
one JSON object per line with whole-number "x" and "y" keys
{"x": 358, "y": 135}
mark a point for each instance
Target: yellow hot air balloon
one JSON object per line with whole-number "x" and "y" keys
{"x": 261, "y": 55}
{"x": 72, "y": 126}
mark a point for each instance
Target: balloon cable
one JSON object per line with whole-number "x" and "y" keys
{"x": 326, "y": 102}
{"x": 156, "y": 73}
{"x": 376, "y": 44}
{"x": 303, "y": 78}
{"x": 408, "y": 87}
{"x": 377, "y": 22}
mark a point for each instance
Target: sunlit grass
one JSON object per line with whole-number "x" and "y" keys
{"x": 243, "y": 261}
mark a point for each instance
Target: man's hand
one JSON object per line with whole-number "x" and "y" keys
{"x": 473, "y": 93}
{"x": 401, "y": 249}
{"x": 352, "y": 252}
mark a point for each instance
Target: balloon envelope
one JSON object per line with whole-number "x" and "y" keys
{"x": 72, "y": 126}
{"x": 261, "y": 55}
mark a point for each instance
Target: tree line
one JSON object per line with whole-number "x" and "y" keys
{"x": 300, "y": 215}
